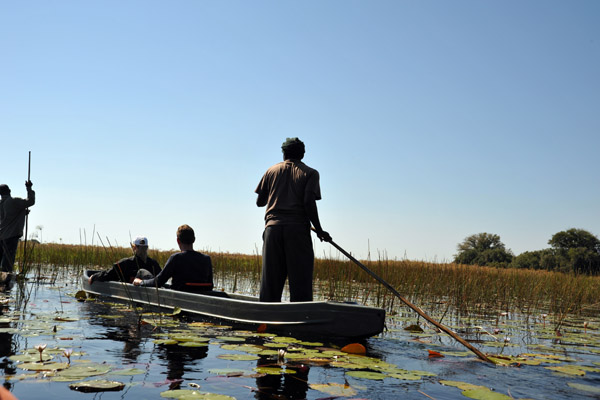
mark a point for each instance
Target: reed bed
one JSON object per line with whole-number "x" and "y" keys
{"x": 465, "y": 288}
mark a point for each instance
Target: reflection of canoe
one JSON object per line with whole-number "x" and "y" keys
{"x": 315, "y": 318}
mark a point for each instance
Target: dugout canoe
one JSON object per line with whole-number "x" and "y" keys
{"x": 315, "y": 318}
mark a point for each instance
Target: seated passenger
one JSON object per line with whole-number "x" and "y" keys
{"x": 125, "y": 270}
{"x": 189, "y": 270}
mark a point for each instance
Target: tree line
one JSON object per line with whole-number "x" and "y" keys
{"x": 573, "y": 250}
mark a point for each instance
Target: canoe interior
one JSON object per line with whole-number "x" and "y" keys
{"x": 315, "y": 318}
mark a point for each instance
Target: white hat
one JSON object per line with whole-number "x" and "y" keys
{"x": 141, "y": 241}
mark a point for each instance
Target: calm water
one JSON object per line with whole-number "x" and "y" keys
{"x": 106, "y": 333}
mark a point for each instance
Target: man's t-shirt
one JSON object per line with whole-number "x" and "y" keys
{"x": 185, "y": 267}
{"x": 125, "y": 270}
{"x": 285, "y": 186}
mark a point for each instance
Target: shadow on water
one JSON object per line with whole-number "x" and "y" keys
{"x": 286, "y": 386}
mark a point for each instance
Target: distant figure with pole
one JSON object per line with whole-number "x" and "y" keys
{"x": 289, "y": 190}
{"x": 12, "y": 220}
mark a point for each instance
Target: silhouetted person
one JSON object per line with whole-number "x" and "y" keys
{"x": 289, "y": 190}
{"x": 12, "y": 220}
{"x": 189, "y": 270}
{"x": 127, "y": 269}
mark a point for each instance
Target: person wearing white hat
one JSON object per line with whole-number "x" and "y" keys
{"x": 127, "y": 269}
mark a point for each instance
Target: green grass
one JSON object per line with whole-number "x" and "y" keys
{"x": 466, "y": 289}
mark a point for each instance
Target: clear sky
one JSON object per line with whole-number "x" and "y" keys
{"x": 428, "y": 121}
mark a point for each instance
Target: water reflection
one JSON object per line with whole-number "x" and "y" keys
{"x": 7, "y": 347}
{"x": 124, "y": 329}
{"x": 179, "y": 361}
{"x": 286, "y": 386}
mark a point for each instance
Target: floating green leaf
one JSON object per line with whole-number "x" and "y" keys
{"x": 127, "y": 372}
{"x": 274, "y": 371}
{"x": 30, "y": 357}
{"x": 97, "y": 386}
{"x": 585, "y": 388}
{"x": 283, "y": 339}
{"x": 568, "y": 370}
{"x": 165, "y": 341}
{"x": 334, "y": 389}
{"x": 231, "y": 338}
{"x": 193, "y": 344}
{"x": 247, "y": 348}
{"x": 46, "y": 366}
{"x": 406, "y": 376}
{"x": 367, "y": 375}
{"x": 461, "y": 385}
{"x": 185, "y": 394}
{"x": 238, "y": 357}
{"x": 229, "y": 372}
{"x": 84, "y": 370}
{"x": 483, "y": 393}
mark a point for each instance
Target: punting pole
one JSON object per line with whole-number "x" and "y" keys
{"x": 22, "y": 267}
{"x": 411, "y": 305}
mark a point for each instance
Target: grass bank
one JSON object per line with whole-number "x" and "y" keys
{"x": 464, "y": 288}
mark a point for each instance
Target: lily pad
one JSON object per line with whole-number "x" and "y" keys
{"x": 99, "y": 385}
{"x": 283, "y": 339}
{"x": 165, "y": 341}
{"x": 185, "y": 394}
{"x": 247, "y": 348}
{"x": 334, "y": 389}
{"x": 231, "y": 338}
{"x": 585, "y": 388}
{"x": 127, "y": 372}
{"x": 30, "y": 357}
{"x": 85, "y": 370}
{"x": 47, "y": 366}
{"x": 274, "y": 371}
{"x": 484, "y": 393}
{"x": 568, "y": 370}
{"x": 193, "y": 344}
{"x": 461, "y": 385}
{"x": 367, "y": 375}
{"x": 238, "y": 357}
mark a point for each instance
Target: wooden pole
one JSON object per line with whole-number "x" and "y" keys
{"x": 411, "y": 305}
{"x": 22, "y": 267}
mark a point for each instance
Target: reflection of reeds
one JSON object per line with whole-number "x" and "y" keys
{"x": 467, "y": 289}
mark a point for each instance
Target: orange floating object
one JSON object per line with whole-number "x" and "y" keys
{"x": 262, "y": 328}
{"x": 354, "y": 348}
{"x": 434, "y": 354}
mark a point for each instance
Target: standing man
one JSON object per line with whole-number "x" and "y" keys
{"x": 290, "y": 190}
{"x": 127, "y": 269}
{"x": 12, "y": 220}
{"x": 189, "y": 270}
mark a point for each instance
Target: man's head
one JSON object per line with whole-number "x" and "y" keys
{"x": 185, "y": 235}
{"x": 293, "y": 148}
{"x": 4, "y": 190}
{"x": 140, "y": 246}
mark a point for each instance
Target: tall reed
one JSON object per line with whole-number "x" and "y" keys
{"x": 466, "y": 288}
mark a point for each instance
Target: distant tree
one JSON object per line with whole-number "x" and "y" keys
{"x": 538, "y": 259}
{"x": 575, "y": 238}
{"x": 576, "y": 250}
{"x": 483, "y": 249}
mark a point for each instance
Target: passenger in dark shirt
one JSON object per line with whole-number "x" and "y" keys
{"x": 125, "y": 270}
{"x": 189, "y": 270}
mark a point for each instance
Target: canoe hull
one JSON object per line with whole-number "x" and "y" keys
{"x": 315, "y": 318}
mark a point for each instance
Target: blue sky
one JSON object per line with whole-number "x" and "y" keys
{"x": 428, "y": 120}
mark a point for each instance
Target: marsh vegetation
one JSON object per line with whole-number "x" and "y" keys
{"x": 534, "y": 324}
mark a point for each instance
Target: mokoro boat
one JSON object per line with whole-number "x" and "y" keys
{"x": 315, "y": 318}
